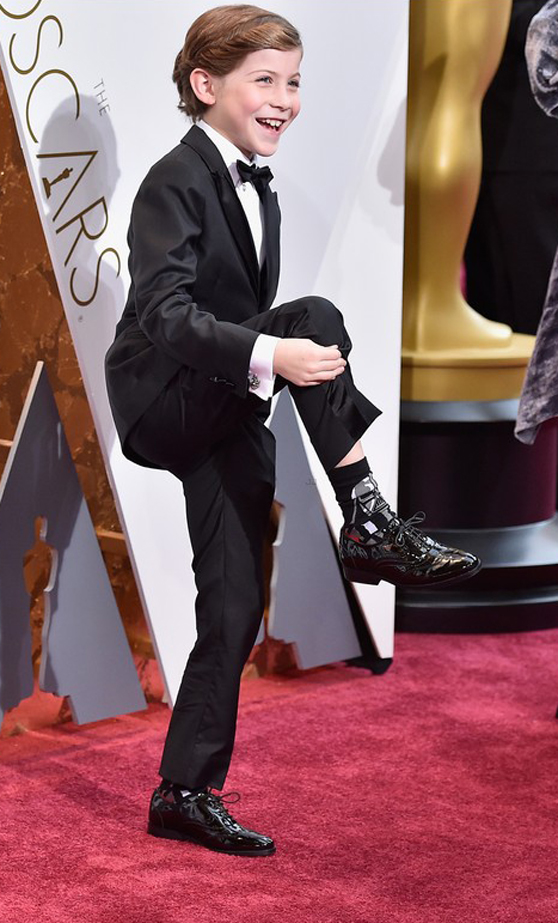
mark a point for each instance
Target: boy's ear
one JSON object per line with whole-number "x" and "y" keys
{"x": 203, "y": 85}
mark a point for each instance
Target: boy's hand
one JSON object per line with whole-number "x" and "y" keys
{"x": 304, "y": 362}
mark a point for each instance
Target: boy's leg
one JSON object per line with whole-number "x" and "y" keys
{"x": 375, "y": 544}
{"x": 229, "y": 490}
{"x": 228, "y": 500}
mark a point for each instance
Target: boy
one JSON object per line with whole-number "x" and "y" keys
{"x": 196, "y": 358}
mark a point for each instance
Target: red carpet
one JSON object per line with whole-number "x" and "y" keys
{"x": 421, "y": 796}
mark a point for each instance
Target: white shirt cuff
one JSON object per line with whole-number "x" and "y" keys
{"x": 261, "y": 365}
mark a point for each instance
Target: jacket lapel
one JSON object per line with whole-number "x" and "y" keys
{"x": 232, "y": 207}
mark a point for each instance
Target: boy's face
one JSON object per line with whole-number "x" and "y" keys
{"x": 265, "y": 86}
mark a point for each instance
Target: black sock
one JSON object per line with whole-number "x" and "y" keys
{"x": 343, "y": 480}
{"x": 183, "y": 790}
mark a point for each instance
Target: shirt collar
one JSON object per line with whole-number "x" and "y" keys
{"x": 228, "y": 151}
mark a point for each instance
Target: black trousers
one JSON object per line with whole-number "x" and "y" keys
{"x": 219, "y": 447}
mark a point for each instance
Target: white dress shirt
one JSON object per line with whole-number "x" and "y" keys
{"x": 263, "y": 352}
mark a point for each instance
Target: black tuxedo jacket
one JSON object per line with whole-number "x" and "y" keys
{"x": 195, "y": 279}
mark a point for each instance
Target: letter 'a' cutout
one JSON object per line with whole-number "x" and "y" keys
{"x": 309, "y": 606}
{"x": 85, "y": 654}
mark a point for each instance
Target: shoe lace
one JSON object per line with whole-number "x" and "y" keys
{"x": 407, "y": 527}
{"x": 404, "y": 527}
{"x": 218, "y": 803}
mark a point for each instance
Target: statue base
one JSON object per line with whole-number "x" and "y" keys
{"x": 490, "y": 494}
{"x": 485, "y": 374}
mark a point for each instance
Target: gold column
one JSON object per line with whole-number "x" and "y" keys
{"x": 450, "y": 352}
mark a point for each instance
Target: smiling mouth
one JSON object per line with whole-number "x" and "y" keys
{"x": 271, "y": 124}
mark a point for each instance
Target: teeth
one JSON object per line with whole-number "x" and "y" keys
{"x": 275, "y": 123}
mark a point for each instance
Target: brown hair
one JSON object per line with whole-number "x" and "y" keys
{"x": 220, "y": 39}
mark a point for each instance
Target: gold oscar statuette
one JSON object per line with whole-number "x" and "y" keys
{"x": 450, "y": 352}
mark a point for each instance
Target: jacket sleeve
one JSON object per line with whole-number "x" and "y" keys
{"x": 165, "y": 233}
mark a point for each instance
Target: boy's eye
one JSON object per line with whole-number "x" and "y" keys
{"x": 267, "y": 79}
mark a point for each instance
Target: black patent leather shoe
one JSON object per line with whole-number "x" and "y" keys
{"x": 202, "y": 818}
{"x": 402, "y": 555}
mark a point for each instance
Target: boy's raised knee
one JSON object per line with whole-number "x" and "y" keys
{"x": 320, "y": 307}
{"x": 326, "y": 318}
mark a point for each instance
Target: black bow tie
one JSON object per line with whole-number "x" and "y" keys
{"x": 259, "y": 176}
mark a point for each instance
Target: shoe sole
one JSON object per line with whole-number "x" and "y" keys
{"x": 356, "y": 576}
{"x": 153, "y": 830}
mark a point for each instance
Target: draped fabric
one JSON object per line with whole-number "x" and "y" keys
{"x": 539, "y": 398}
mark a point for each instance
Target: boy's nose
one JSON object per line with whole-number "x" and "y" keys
{"x": 281, "y": 99}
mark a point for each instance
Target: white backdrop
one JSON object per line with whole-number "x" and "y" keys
{"x": 95, "y": 107}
